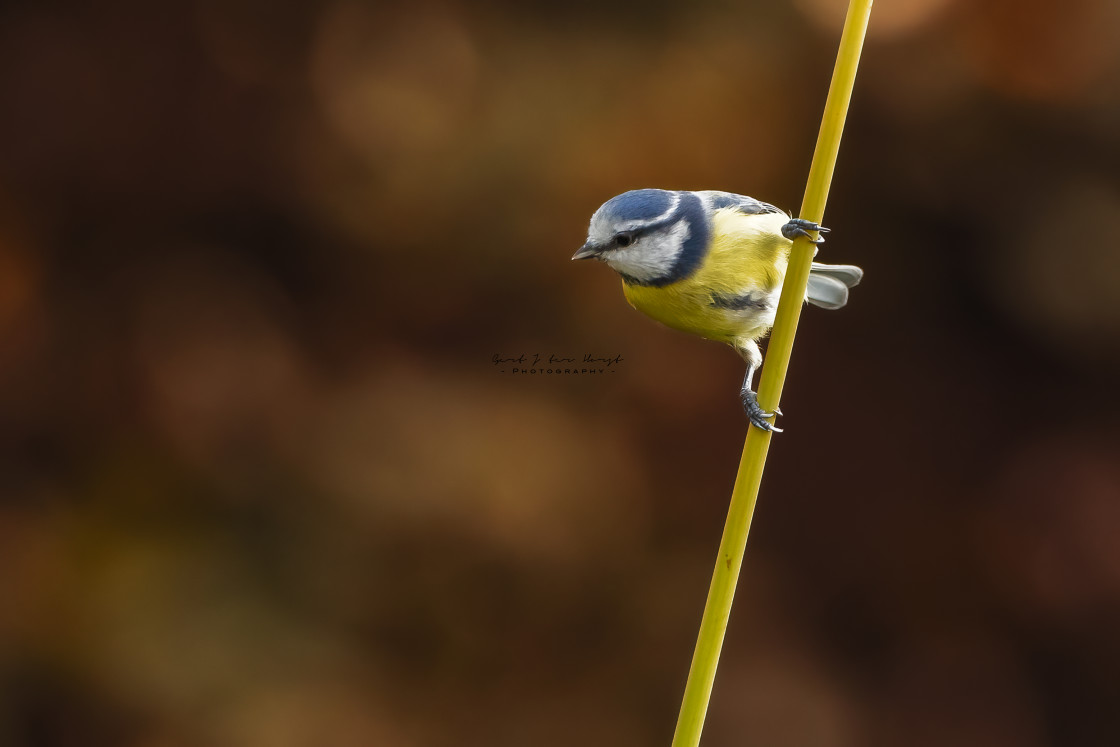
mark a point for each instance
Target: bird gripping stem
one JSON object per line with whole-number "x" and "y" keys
{"x": 717, "y": 609}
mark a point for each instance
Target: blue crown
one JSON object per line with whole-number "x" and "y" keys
{"x": 640, "y": 204}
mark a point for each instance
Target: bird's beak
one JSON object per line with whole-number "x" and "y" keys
{"x": 587, "y": 251}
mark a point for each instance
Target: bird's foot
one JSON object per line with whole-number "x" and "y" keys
{"x": 759, "y": 418}
{"x": 801, "y": 227}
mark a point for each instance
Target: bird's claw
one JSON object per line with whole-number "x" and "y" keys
{"x": 759, "y": 418}
{"x": 801, "y": 227}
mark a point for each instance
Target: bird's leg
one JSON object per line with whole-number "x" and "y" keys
{"x": 758, "y": 417}
{"x": 801, "y": 227}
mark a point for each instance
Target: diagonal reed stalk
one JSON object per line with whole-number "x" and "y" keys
{"x": 701, "y": 675}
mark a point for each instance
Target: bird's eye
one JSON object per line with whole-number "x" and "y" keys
{"x": 624, "y": 239}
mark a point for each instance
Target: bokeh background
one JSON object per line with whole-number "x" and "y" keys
{"x": 261, "y": 483}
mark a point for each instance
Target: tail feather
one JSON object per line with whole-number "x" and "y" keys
{"x": 829, "y": 284}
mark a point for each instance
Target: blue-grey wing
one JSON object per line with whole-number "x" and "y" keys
{"x": 747, "y": 205}
{"x": 829, "y": 284}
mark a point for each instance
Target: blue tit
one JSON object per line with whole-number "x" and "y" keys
{"x": 711, "y": 264}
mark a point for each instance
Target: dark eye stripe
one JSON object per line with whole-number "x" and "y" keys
{"x": 623, "y": 239}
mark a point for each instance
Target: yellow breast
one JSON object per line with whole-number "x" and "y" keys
{"x": 748, "y": 254}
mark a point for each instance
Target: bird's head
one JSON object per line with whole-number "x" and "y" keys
{"x": 649, "y": 236}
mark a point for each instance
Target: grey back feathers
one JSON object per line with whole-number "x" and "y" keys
{"x": 714, "y": 200}
{"x": 829, "y": 284}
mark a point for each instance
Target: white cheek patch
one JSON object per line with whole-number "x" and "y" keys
{"x": 651, "y": 257}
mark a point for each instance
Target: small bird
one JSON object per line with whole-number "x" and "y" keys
{"x": 711, "y": 264}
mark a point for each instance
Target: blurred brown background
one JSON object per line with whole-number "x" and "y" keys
{"x": 261, "y": 484}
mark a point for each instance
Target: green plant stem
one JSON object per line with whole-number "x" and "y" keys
{"x": 744, "y": 496}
